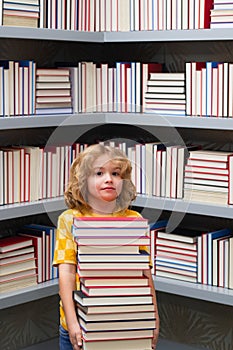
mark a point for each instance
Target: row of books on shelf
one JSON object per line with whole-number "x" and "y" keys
{"x": 26, "y": 258}
{"x": 209, "y": 89}
{"x": 177, "y": 171}
{"x": 161, "y": 169}
{"x": 83, "y": 87}
{"x": 204, "y": 89}
{"x": 31, "y": 173}
{"x": 194, "y": 255}
{"x": 117, "y": 15}
{"x": 107, "y": 246}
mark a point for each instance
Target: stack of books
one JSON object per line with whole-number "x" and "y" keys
{"x": 53, "y": 91}
{"x": 176, "y": 254}
{"x": 114, "y": 303}
{"x": 207, "y": 177}
{"x": 21, "y": 13}
{"x": 222, "y": 14}
{"x": 17, "y": 263}
{"x": 165, "y": 94}
{"x": 43, "y": 238}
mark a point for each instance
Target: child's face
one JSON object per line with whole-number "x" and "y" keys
{"x": 105, "y": 183}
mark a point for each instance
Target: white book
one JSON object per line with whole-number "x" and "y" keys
{"x": 128, "y": 106}
{"x": 2, "y": 94}
{"x": 225, "y": 88}
{"x": 1, "y": 177}
{"x": 174, "y": 14}
{"x": 214, "y": 107}
{"x": 108, "y": 15}
{"x": 150, "y": 15}
{"x": 168, "y": 171}
{"x": 185, "y": 9}
{"x": 104, "y": 85}
{"x": 158, "y": 173}
{"x": 114, "y": 16}
{"x": 168, "y": 14}
{"x": 220, "y": 90}
{"x": 191, "y": 24}
{"x": 110, "y": 89}
{"x": 133, "y": 86}
{"x": 230, "y": 99}
{"x": 103, "y": 15}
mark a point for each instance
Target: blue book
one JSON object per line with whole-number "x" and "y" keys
{"x": 210, "y": 237}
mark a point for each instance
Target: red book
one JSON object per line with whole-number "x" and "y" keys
{"x": 109, "y": 222}
{"x": 204, "y": 14}
{"x": 147, "y": 69}
{"x": 12, "y": 243}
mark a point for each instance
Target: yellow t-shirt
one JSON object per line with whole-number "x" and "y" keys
{"x": 66, "y": 248}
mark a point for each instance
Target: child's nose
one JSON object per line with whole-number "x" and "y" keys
{"x": 108, "y": 177}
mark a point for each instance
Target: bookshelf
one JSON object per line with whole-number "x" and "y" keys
{"x": 190, "y": 290}
{"x": 188, "y": 37}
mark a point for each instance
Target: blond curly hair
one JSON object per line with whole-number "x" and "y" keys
{"x": 81, "y": 168}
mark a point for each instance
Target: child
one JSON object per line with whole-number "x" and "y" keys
{"x": 100, "y": 185}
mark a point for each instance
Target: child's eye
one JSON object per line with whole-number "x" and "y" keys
{"x": 99, "y": 173}
{"x": 116, "y": 173}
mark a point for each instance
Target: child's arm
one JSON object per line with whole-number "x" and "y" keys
{"x": 67, "y": 284}
{"x": 147, "y": 273}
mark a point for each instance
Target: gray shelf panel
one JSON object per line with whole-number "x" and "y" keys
{"x": 179, "y": 205}
{"x": 195, "y": 291}
{"x": 170, "y": 35}
{"x": 24, "y": 122}
{"x": 12, "y": 211}
{"x": 102, "y": 37}
{"x": 93, "y": 119}
{"x": 26, "y": 295}
{"x": 50, "y": 34}
{"x": 170, "y": 121}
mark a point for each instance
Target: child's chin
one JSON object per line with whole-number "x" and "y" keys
{"x": 109, "y": 198}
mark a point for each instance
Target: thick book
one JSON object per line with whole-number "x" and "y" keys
{"x": 112, "y": 310}
{"x": 117, "y": 335}
{"x": 116, "y": 290}
{"x": 14, "y": 253}
{"x": 113, "y": 240}
{"x": 12, "y": 267}
{"x": 109, "y": 222}
{"x": 109, "y": 231}
{"x": 123, "y": 249}
{"x": 180, "y": 234}
{"x": 109, "y": 258}
{"x": 94, "y": 326}
{"x": 110, "y": 273}
{"x": 113, "y": 265}
{"x": 213, "y": 156}
{"x": 117, "y": 281}
{"x": 18, "y": 283}
{"x": 14, "y": 242}
{"x": 116, "y": 316}
{"x": 116, "y": 344}
{"x": 85, "y": 300}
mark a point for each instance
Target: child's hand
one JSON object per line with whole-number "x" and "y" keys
{"x": 155, "y": 339}
{"x": 75, "y": 334}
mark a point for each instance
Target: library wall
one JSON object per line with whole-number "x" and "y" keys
{"x": 195, "y": 322}
{"x": 30, "y": 323}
